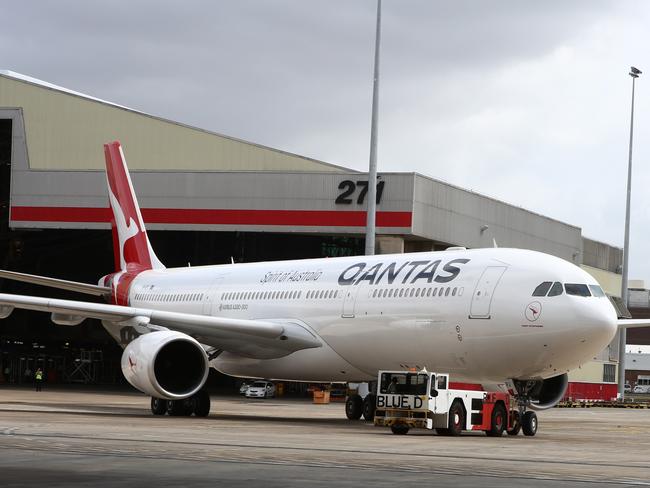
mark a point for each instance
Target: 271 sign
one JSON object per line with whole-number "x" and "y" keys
{"x": 349, "y": 188}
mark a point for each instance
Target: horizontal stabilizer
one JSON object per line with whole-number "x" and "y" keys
{"x": 56, "y": 283}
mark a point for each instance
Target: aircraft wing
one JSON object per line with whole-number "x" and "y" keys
{"x": 632, "y": 323}
{"x": 262, "y": 339}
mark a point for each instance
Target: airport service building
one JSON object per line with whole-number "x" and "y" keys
{"x": 208, "y": 198}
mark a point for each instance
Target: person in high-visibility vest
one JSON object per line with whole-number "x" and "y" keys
{"x": 38, "y": 376}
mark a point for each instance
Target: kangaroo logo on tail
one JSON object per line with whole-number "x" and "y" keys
{"x": 134, "y": 246}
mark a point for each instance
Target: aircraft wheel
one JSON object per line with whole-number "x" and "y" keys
{"x": 175, "y": 408}
{"x": 369, "y": 407}
{"x": 354, "y": 407}
{"x": 498, "y": 421}
{"x": 158, "y": 406}
{"x": 202, "y": 404}
{"x": 399, "y": 429}
{"x": 529, "y": 423}
{"x": 456, "y": 419}
{"x": 515, "y": 424}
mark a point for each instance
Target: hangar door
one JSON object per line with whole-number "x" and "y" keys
{"x": 484, "y": 291}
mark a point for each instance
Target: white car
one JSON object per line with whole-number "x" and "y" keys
{"x": 261, "y": 389}
{"x": 641, "y": 389}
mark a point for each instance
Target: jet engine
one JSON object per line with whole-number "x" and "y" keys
{"x": 546, "y": 393}
{"x": 542, "y": 394}
{"x": 165, "y": 364}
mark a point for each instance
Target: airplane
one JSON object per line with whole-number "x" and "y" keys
{"x": 493, "y": 316}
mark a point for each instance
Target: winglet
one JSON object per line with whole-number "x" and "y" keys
{"x": 133, "y": 243}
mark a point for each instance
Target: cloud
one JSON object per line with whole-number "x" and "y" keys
{"x": 524, "y": 101}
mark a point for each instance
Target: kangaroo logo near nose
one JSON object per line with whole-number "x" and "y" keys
{"x": 533, "y": 311}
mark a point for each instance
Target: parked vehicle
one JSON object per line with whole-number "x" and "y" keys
{"x": 423, "y": 400}
{"x": 260, "y": 389}
{"x": 244, "y": 387}
{"x": 627, "y": 388}
{"x": 641, "y": 389}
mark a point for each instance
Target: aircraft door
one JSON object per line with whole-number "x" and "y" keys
{"x": 210, "y": 301}
{"x": 482, "y": 298}
{"x": 349, "y": 301}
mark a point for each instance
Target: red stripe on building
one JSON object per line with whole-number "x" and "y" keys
{"x": 454, "y": 385}
{"x": 303, "y": 218}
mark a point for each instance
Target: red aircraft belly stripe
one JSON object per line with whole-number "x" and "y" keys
{"x": 304, "y": 218}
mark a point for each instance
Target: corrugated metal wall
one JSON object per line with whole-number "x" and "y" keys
{"x": 456, "y": 216}
{"x": 601, "y": 255}
{"x": 66, "y": 132}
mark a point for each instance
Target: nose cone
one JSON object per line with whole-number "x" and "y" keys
{"x": 598, "y": 322}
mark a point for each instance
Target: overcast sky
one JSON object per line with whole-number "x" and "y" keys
{"x": 528, "y": 102}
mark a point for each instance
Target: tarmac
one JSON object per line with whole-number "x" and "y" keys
{"x": 104, "y": 439}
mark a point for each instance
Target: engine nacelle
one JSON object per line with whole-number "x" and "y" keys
{"x": 547, "y": 393}
{"x": 165, "y": 364}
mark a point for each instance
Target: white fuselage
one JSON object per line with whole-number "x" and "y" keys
{"x": 472, "y": 314}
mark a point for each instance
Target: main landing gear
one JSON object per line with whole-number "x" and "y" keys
{"x": 198, "y": 404}
{"x": 523, "y": 419}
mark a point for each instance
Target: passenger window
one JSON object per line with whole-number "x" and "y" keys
{"x": 453, "y": 293}
{"x": 447, "y": 291}
{"x": 577, "y": 289}
{"x": 596, "y": 291}
{"x": 412, "y": 292}
{"x": 401, "y": 292}
{"x": 542, "y": 289}
{"x": 556, "y": 289}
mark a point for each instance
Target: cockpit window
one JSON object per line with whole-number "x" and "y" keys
{"x": 542, "y": 289}
{"x": 596, "y": 291}
{"x": 556, "y": 289}
{"x": 577, "y": 289}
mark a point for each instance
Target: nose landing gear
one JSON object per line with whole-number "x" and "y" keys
{"x": 525, "y": 420}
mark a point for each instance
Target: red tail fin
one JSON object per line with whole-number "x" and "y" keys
{"x": 133, "y": 243}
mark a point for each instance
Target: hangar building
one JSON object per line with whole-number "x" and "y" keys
{"x": 209, "y": 198}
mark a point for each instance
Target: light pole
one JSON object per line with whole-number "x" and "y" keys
{"x": 372, "y": 170}
{"x": 622, "y": 338}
